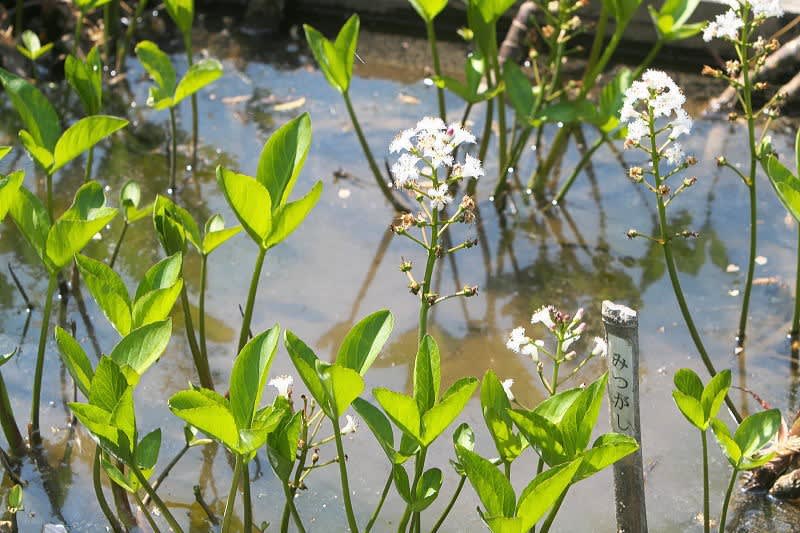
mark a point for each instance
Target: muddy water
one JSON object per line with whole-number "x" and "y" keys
{"x": 342, "y": 264}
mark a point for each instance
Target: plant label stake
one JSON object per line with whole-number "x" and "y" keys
{"x": 622, "y": 335}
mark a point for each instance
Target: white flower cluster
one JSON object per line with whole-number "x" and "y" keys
{"x": 425, "y": 148}
{"x": 567, "y": 330}
{"x": 656, "y": 91}
{"x": 728, "y": 24}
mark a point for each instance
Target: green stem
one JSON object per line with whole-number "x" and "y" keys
{"x": 348, "y": 505}
{"x": 538, "y": 178}
{"x": 577, "y": 170}
{"x": 796, "y": 317}
{"x": 195, "y": 120}
{"x": 548, "y": 522}
{"x": 724, "y": 517}
{"x": 437, "y": 69}
{"x": 76, "y": 45}
{"x": 288, "y": 509}
{"x": 156, "y": 499}
{"x": 201, "y": 320}
{"x": 419, "y": 468}
{"x": 49, "y": 186}
{"x": 599, "y": 37}
{"x": 101, "y": 498}
{"x": 247, "y": 501}
{"x": 450, "y": 505}
{"x": 36, "y": 436}
{"x": 426, "y": 282}
{"x": 377, "y": 511}
{"x": 89, "y": 163}
{"x": 244, "y": 334}
{"x": 200, "y": 363}
{"x": 122, "y": 503}
{"x": 403, "y": 524}
{"x": 107, "y": 31}
{"x": 706, "y": 511}
{"x": 146, "y": 513}
{"x": 484, "y": 146}
{"x": 122, "y": 52}
{"x": 384, "y": 187}
{"x": 507, "y": 469}
{"x": 227, "y": 518}
{"x": 16, "y": 442}
{"x": 119, "y": 245}
{"x": 173, "y": 160}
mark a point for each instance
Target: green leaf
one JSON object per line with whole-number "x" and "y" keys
{"x": 606, "y": 450}
{"x": 209, "y": 412}
{"x": 182, "y": 13}
{"x": 14, "y": 499}
{"x": 726, "y": 443}
{"x": 580, "y": 419}
{"x": 786, "y": 185}
{"x": 495, "y": 406}
{"x": 111, "y": 392}
{"x": 567, "y": 112}
{"x": 215, "y": 233}
{"x": 159, "y": 67}
{"x": 335, "y": 59}
{"x": 436, "y": 420}
{"x": 126, "y": 481}
{"x": 714, "y": 394}
{"x": 108, "y": 290}
{"x": 130, "y": 196}
{"x": 42, "y": 156}
{"x": 75, "y": 359}
{"x": 265, "y": 421}
{"x": 188, "y": 226}
{"x": 428, "y": 9}
{"x": 427, "y": 489}
{"x": 89, "y": 5}
{"x": 33, "y": 48}
{"x": 86, "y": 77}
{"x": 4, "y": 151}
{"x": 688, "y": 382}
{"x": 9, "y": 186}
{"x": 380, "y": 427}
{"x": 250, "y": 202}
{"x": 199, "y": 75}
{"x": 156, "y": 305}
{"x": 305, "y": 362}
{"x": 36, "y": 112}
{"x": 147, "y": 450}
{"x": 756, "y": 431}
{"x": 342, "y": 385}
{"x": 289, "y": 217}
{"x": 670, "y": 20}
{"x": 544, "y": 491}
{"x": 542, "y": 434}
{"x": 691, "y": 409}
{"x": 143, "y": 346}
{"x": 400, "y": 477}
{"x": 83, "y": 135}
{"x": 283, "y": 157}
{"x": 33, "y": 222}
{"x": 519, "y": 90}
{"x": 282, "y": 445}
{"x": 492, "y": 10}
{"x": 492, "y": 487}
{"x": 364, "y": 341}
{"x": 427, "y": 374}
{"x": 402, "y": 410}
{"x": 249, "y": 375}
{"x": 75, "y": 228}
{"x": 162, "y": 275}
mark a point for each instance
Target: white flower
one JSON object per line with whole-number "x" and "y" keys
{"x": 543, "y": 316}
{"x": 507, "y": 388}
{"x": 681, "y": 124}
{"x": 440, "y": 197}
{"x": 405, "y": 169}
{"x": 724, "y": 26}
{"x": 283, "y": 384}
{"x": 516, "y": 339}
{"x": 636, "y": 130}
{"x": 600, "y": 347}
{"x": 569, "y": 341}
{"x": 532, "y": 350}
{"x": 471, "y": 168}
{"x": 674, "y": 154}
{"x": 430, "y": 125}
{"x": 459, "y": 135}
{"x": 767, "y": 8}
{"x": 402, "y": 141}
{"x": 435, "y": 148}
{"x": 350, "y": 427}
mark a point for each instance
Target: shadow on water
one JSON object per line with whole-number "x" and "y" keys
{"x": 342, "y": 264}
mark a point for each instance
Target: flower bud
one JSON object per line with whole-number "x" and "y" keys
{"x": 663, "y": 190}
{"x": 636, "y": 174}
{"x": 470, "y": 290}
{"x": 761, "y": 86}
{"x": 686, "y": 234}
{"x": 553, "y": 6}
{"x": 710, "y": 71}
{"x": 548, "y": 31}
{"x": 733, "y": 117}
{"x": 691, "y": 160}
{"x": 688, "y": 182}
{"x": 414, "y": 287}
{"x": 405, "y": 266}
{"x": 721, "y": 161}
{"x": 631, "y": 233}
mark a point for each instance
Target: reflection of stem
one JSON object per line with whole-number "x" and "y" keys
{"x": 577, "y": 170}
{"x": 10, "y": 428}
{"x": 36, "y": 437}
{"x": 118, "y": 245}
{"x": 195, "y": 120}
{"x": 387, "y": 192}
{"x": 146, "y": 513}
{"x": 724, "y": 516}
{"x": 101, "y": 498}
{"x": 450, "y": 505}
{"x": 167, "y": 470}
{"x": 122, "y": 53}
{"x": 251, "y": 299}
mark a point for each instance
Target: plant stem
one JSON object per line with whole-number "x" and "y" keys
{"x": 251, "y": 299}
{"x": 16, "y": 442}
{"x": 796, "y": 317}
{"x": 577, "y": 170}
{"x": 403, "y": 524}
{"x": 387, "y": 192}
{"x": 706, "y": 512}
{"x": 426, "y": 283}
{"x": 548, "y": 522}
{"x": 437, "y": 69}
{"x": 167, "y": 470}
{"x": 484, "y": 146}
{"x": 173, "y": 160}
{"x": 377, "y": 511}
{"x": 49, "y": 186}
{"x": 348, "y": 505}
{"x": 89, "y": 162}
{"x": 187, "y": 39}
{"x": 246, "y": 499}
{"x": 122, "y": 503}
{"x": 227, "y": 518}
{"x": 146, "y": 513}
{"x": 122, "y": 52}
{"x": 119, "y": 244}
{"x": 157, "y": 501}
{"x": 201, "y": 320}
{"x": 673, "y": 272}
{"x": 200, "y": 362}
{"x": 36, "y": 437}
{"x": 450, "y": 505}
{"x": 76, "y": 45}
{"x": 419, "y": 468}
{"x": 101, "y": 498}
{"x": 724, "y": 516}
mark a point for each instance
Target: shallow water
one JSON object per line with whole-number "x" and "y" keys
{"x": 343, "y": 264}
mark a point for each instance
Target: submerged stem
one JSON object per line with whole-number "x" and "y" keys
{"x": 724, "y": 516}
{"x": 173, "y": 160}
{"x": 251, "y": 299}
{"x": 450, "y": 505}
{"x": 36, "y": 437}
{"x": 230, "y": 504}
{"x": 16, "y": 442}
{"x": 101, "y": 498}
{"x": 156, "y": 499}
{"x": 706, "y": 512}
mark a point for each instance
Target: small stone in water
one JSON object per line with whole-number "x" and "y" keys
{"x": 732, "y": 268}
{"x": 761, "y": 260}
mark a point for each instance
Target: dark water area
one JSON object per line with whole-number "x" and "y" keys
{"x": 343, "y": 264}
